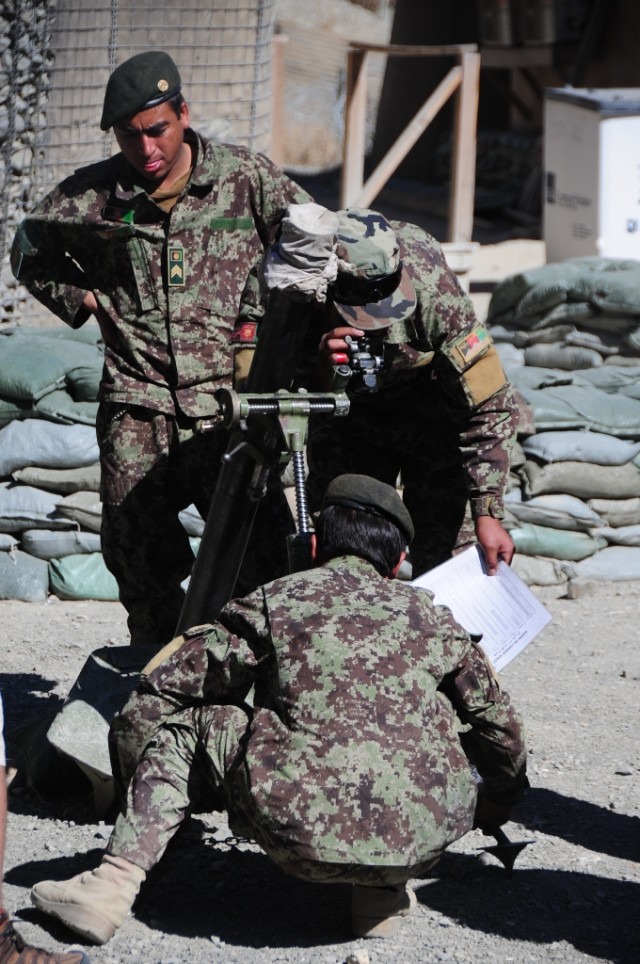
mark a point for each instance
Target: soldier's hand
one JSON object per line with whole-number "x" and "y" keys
{"x": 495, "y": 541}
{"x": 489, "y": 816}
{"x": 333, "y": 349}
{"x": 107, "y": 327}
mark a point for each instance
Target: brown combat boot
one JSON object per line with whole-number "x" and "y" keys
{"x": 380, "y": 911}
{"x": 13, "y": 949}
{"x": 94, "y": 903}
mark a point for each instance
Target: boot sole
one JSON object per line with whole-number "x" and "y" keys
{"x": 78, "y": 919}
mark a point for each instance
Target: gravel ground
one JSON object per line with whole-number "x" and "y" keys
{"x": 573, "y": 895}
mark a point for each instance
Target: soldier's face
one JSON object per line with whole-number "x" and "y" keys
{"x": 152, "y": 141}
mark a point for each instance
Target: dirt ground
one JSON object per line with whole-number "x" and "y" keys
{"x": 573, "y": 895}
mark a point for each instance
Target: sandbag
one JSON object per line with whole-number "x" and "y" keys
{"x": 52, "y": 544}
{"x": 621, "y": 536}
{"x": 531, "y": 377}
{"x": 550, "y": 412}
{"x": 85, "y": 508}
{"x": 538, "y": 571}
{"x": 567, "y": 357}
{"x": 613, "y": 378}
{"x": 37, "y": 442}
{"x": 23, "y": 577}
{"x": 12, "y": 409}
{"x": 580, "y": 447}
{"x": 617, "y": 512}
{"x": 26, "y": 507}
{"x": 615, "y": 563}
{"x": 62, "y": 481}
{"x": 601, "y": 412}
{"x": 80, "y": 731}
{"x": 88, "y": 333}
{"x": 28, "y": 371}
{"x": 557, "y": 511}
{"x": 583, "y": 479}
{"x": 83, "y": 576}
{"x": 59, "y": 406}
{"x": 83, "y": 382}
{"x": 7, "y": 542}
{"x": 192, "y": 521}
{"x": 533, "y": 540}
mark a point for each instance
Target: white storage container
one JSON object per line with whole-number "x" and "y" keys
{"x": 592, "y": 173}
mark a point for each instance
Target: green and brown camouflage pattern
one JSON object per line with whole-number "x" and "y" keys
{"x": 443, "y": 419}
{"x": 367, "y": 242}
{"x": 153, "y": 466}
{"x": 352, "y": 766}
{"x": 169, "y": 346}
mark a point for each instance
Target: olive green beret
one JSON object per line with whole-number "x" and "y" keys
{"x": 143, "y": 81}
{"x": 369, "y": 495}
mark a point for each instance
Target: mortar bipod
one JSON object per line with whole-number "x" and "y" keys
{"x": 267, "y": 432}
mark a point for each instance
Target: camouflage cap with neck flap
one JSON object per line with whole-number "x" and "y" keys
{"x": 143, "y": 81}
{"x": 374, "y": 291}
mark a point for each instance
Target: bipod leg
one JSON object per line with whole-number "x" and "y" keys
{"x": 506, "y": 850}
{"x": 241, "y": 484}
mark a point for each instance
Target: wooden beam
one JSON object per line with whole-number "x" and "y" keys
{"x": 399, "y": 150}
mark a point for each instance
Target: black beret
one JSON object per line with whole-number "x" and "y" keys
{"x": 369, "y": 495}
{"x": 143, "y": 81}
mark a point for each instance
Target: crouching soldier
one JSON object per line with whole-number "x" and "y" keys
{"x": 349, "y": 767}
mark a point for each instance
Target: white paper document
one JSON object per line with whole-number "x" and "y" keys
{"x": 502, "y": 607}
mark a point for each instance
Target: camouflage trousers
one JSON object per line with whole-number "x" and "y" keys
{"x": 409, "y": 436}
{"x": 194, "y": 763}
{"x": 153, "y": 465}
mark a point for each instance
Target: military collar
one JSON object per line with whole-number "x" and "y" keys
{"x": 352, "y": 563}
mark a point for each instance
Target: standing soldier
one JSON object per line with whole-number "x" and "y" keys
{"x": 157, "y": 243}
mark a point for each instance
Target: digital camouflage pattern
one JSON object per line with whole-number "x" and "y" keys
{"x": 352, "y": 767}
{"x": 443, "y": 417}
{"x": 174, "y": 287}
{"x": 143, "y": 489}
{"x": 169, "y": 348}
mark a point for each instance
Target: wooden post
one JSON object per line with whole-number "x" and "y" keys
{"x": 463, "y": 161}
{"x": 277, "y": 98}
{"x": 355, "y": 125}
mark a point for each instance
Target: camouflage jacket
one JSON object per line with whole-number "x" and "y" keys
{"x": 438, "y": 364}
{"x": 362, "y": 686}
{"x": 445, "y": 335}
{"x": 171, "y": 284}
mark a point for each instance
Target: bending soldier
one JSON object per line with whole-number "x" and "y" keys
{"x": 350, "y": 766}
{"x": 442, "y": 415}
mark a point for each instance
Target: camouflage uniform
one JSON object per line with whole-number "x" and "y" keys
{"x": 171, "y": 284}
{"x": 442, "y": 419}
{"x": 350, "y": 766}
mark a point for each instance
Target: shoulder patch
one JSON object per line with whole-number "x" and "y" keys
{"x": 470, "y": 346}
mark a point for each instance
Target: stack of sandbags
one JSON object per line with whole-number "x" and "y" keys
{"x": 574, "y": 314}
{"x": 50, "y": 509}
{"x": 569, "y": 337}
{"x": 50, "y": 373}
{"x": 49, "y": 503}
{"x": 50, "y": 513}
